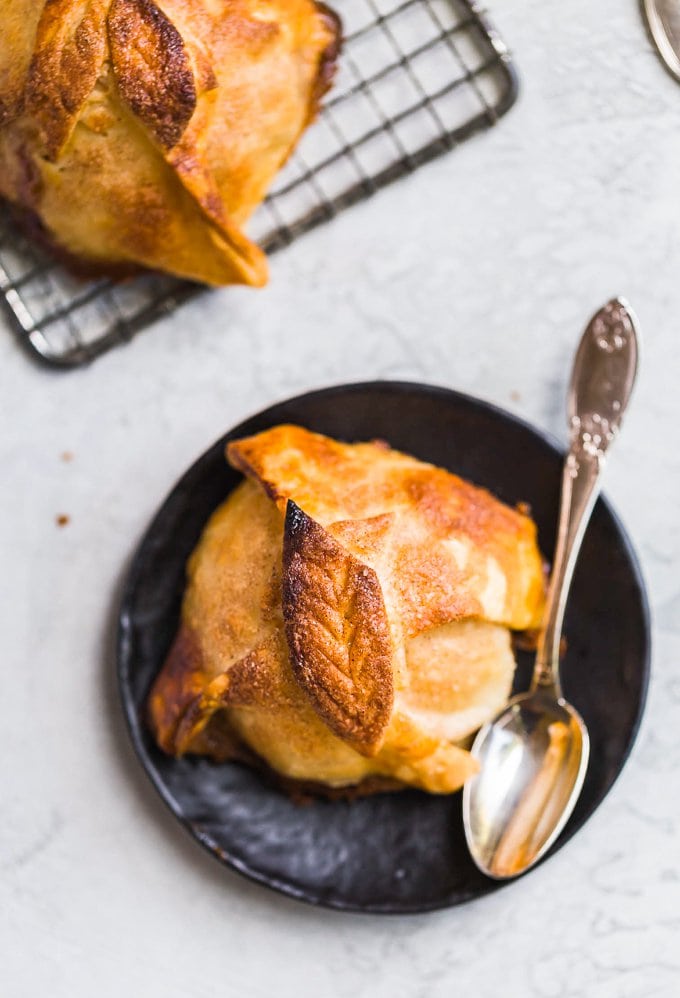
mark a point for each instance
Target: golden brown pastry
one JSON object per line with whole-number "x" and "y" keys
{"x": 145, "y": 132}
{"x": 347, "y": 616}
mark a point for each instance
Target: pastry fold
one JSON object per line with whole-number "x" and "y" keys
{"x": 347, "y": 616}
{"x": 143, "y": 133}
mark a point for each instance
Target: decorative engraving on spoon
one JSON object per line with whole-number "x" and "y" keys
{"x": 612, "y": 328}
{"x": 608, "y": 351}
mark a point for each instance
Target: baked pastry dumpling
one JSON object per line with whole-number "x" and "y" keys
{"x": 347, "y": 616}
{"x": 145, "y": 132}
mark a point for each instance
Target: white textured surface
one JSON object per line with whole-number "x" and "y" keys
{"x": 478, "y": 272}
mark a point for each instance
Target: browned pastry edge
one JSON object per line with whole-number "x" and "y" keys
{"x": 176, "y": 687}
{"x": 528, "y": 639}
{"x": 525, "y": 640}
{"x": 82, "y": 268}
{"x": 328, "y": 63}
{"x": 237, "y": 459}
{"x": 338, "y": 633}
{"x": 306, "y": 791}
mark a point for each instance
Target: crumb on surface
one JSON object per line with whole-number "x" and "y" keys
{"x": 67, "y": 456}
{"x": 515, "y": 395}
{"x": 62, "y": 519}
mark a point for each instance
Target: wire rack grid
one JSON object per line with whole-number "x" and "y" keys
{"x": 416, "y": 77}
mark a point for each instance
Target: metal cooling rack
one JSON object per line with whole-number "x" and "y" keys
{"x": 416, "y": 77}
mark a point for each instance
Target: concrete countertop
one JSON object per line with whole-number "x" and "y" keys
{"x": 478, "y": 272}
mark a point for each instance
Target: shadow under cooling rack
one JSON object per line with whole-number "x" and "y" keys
{"x": 416, "y": 77}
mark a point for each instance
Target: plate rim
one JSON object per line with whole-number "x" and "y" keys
{"x": 124, "y": 638}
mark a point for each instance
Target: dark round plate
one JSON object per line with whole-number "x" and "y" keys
{"x": 402, "y": 852}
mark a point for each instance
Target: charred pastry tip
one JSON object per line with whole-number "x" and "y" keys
{"x": 296, "y": 525}
{"x": 296, "y": 520}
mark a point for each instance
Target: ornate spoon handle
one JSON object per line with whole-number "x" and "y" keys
{"x": 601, "y": 384}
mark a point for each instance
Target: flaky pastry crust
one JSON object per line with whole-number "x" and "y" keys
{"x": 143, "y": 133}
{"x": 347, "y": 616}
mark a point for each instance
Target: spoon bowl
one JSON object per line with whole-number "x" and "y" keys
{"x": 533, "y": 758}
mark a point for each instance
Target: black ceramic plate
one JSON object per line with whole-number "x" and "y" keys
{"x": 401, "y": 852}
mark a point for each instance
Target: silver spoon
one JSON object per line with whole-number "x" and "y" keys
{"x": 663, "y": 22}
{"x": 533, "y": 755}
